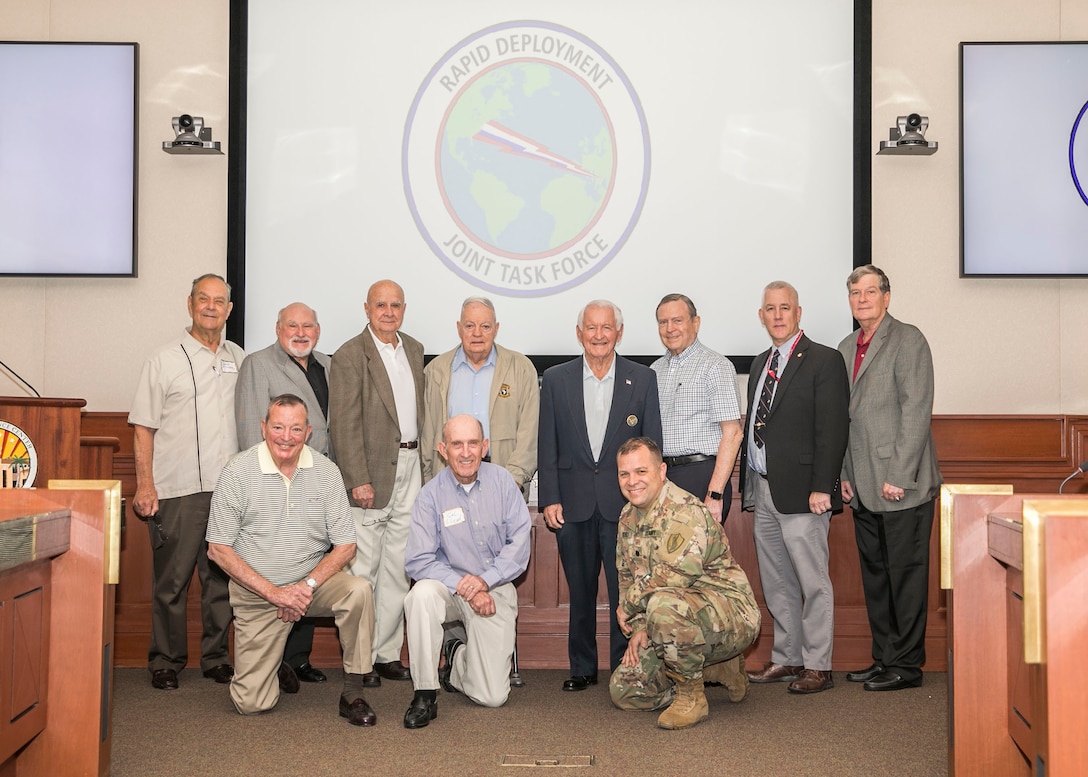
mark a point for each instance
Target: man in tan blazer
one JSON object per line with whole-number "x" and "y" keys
{"x": 375, "y": 414}
{"x": 495, "y": 385}
{"x": 890, "y": 478}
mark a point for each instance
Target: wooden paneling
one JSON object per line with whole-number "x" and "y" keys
{"x": 1034, "y": 453}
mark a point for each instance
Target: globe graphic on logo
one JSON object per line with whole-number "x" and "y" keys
{"x": 526, "y": 159}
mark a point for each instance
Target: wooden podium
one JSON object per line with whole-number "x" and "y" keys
{"x": 59, "y": 561}
{"x": 1013, "y": 566}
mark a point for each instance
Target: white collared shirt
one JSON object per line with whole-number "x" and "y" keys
{"x": 404, "y": 385}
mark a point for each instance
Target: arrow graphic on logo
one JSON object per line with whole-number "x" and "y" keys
{"x": 510, "y": 142}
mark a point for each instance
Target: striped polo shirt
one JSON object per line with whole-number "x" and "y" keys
{"x": 280, "y": 527}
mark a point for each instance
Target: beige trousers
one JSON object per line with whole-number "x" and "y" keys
{"x": 381, "y": 536}
{"x": 259, "y": 637}
{"x": 481, "y": 669}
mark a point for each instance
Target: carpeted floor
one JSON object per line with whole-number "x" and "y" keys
{"x": 842, "y": 732}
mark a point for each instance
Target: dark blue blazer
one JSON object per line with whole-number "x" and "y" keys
{"x": 568, "y": 475}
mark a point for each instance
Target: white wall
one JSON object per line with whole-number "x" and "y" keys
{"x": 1000, "y": 346}
{"x": 83, "y": 337}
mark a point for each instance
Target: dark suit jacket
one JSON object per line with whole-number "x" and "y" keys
{"x": 568, "y": 475}
{"x": 262, "y": 377}
{"x": 807, "y": 428}
{"x": 363, "y": 419}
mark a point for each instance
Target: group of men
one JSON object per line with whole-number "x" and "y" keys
{"x": 431, "y": 474}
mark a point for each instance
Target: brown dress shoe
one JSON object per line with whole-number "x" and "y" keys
{"x": 812, "y": 681}
{"x": 393, "y": 670}
{"x": 358, "y": 712}
{"x": 164, "y": 679}
{"x": 371, "y": 680}
{"x": 775, "y": 673}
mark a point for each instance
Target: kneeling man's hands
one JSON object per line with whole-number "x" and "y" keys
{"x": 638, "y": 641}
{"x": 291, "y": 601}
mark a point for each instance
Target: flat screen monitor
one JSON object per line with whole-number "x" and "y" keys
{"x": 546, "y": 155}
{"x": 1024, "y": 159}
{"x": 68, "y": 158}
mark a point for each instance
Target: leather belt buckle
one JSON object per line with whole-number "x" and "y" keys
{"x": 410, "y": 445}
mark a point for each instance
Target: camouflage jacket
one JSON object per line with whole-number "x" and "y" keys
{"x": 675, "y": 544}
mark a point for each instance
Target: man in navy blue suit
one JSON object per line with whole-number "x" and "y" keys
{"x": 588, "y": 407}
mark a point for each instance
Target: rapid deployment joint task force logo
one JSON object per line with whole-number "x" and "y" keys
{"x": 526, "y": 158}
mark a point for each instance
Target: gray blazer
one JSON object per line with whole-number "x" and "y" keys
{"x": 363, "y": 418}
{"x": 891, "y": 410}
{"x": 265, "y": 375}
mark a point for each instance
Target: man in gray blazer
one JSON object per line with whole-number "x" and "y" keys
{"x": 375, "y": 416}
{"x": 288, "y": 366}
{"x": 890, "y": 478}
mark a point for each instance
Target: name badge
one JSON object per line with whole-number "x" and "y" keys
{"x": 453, "y": 517}
{"x": 226, "y": 366}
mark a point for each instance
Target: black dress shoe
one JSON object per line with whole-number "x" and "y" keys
{"x": 221, "y": 674}
{"x": 287, "y": 677}
{"x": 449, "y": 650}
{"x": 865, "y": 675}
{"x": 164, "y": 679}
{"x": 421, "y": 712}
{"x": 393, "y": 670}
{"x": 579, "y": 682}
{"x": 310, "y": 674}
{"x": 890, "y": 681}
{"x": 358, "y": 712}
{"x": 371, "y": 680}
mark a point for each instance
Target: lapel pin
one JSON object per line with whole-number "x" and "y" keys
{"x": 504, "y": 390}
{"x": 632, "y": 419}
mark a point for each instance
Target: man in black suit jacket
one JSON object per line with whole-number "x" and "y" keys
{"x": 796, "y": 433}
{"x": 588, "y": 407}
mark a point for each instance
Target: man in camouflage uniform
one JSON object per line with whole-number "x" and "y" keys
{"x": 684, "y": 601}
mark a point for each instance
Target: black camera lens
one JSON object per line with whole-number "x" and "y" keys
{"x": 185, "y": 121}
{"x": 914, "y": 121}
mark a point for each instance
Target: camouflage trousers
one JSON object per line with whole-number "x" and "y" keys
{"x": 688, "y": 629}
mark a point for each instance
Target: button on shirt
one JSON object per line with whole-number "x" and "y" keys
{"x": 470, "y": 389}
{"x": 482, "y": 531}
{"x": 698, "y": 390}
{"x": 597, "y": 402}
{"x": 404, "y": 385}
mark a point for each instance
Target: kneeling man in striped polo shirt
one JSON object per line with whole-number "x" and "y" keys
{"x": 281, "y": 527}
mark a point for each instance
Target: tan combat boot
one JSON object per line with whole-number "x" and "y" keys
{"x": 688, "y": 704}
{"x": 731, "y": 674}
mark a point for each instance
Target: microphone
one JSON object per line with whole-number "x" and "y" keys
{"x": 1080, "y": 471}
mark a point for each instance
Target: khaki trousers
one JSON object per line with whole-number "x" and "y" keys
{"x": 259, "y": 637}
{"x": 381, "y": 537}
{"x": 481, "y": 669}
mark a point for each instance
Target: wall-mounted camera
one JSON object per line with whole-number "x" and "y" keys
{"x": 908, "y": 136}
{"x": 191, "y": 137}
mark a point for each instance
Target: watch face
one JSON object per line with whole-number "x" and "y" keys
{"x": 18, "y": 458}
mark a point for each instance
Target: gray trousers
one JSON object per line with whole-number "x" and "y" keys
{"x": 184, "y": 522}
{"x": 793, "y": 569}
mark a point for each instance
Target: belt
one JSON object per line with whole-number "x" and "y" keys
{"x": 679, "y": 461}
{"x": 410, "y": 445}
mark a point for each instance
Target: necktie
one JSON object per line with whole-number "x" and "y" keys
{"x": 765, "y": 400}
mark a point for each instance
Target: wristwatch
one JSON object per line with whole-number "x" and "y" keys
{"x": 311, "y": 582}
{"x": 717, "y": 495}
